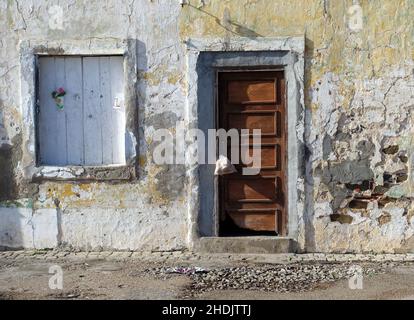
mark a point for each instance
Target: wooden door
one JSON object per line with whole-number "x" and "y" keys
{"x": 254, "y": 204}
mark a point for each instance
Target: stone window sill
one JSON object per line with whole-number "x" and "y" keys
{"x": 84, "y": 173}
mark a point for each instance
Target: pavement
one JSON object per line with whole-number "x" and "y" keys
{"x": 56, "y": 274}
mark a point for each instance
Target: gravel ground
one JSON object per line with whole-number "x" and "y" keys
{"x": 298, "y": 277}
{"x": 25, "y": 275}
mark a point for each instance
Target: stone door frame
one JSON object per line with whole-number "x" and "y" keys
{"x": 291, "y": 51}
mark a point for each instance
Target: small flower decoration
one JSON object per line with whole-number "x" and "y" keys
{"x": 58, "y": 95}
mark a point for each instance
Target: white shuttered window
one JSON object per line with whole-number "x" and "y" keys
{"x": 86, "y": 127}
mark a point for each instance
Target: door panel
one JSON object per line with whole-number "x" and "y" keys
{"x": 251, "y": 190}
{"x": 255, "y": 220}
{"x": 247, "y": 91}
{"x": 264, "y": 122}
{"x": 268, "y": 156}
{"x": 254, "y": 100}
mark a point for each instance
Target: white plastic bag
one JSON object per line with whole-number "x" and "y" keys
{"x": 224, "y": 166}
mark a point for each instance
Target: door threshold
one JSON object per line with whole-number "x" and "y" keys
{"x": 250, "y": 244}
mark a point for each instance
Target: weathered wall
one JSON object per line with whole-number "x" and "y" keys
{"x": 146, "y": 213}
{"x": 359, "y": 121}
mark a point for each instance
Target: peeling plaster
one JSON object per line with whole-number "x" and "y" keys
{"x": 358, "y": 95}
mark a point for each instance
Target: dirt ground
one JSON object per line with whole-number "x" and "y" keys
{"x": 27, "y": 277}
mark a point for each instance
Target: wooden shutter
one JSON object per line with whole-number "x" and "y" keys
{"x": 90, "y": 130}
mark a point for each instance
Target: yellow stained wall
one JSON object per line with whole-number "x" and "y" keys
{"x": 387, "y": 36}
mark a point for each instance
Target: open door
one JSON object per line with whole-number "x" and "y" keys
{"x": 254, "y": 205}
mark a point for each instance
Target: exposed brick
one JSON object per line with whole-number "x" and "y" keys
{"x": 341, "y": 218}
{"x": 391, "y": 149}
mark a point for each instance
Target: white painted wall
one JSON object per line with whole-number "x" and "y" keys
{"x": 21, "y": 227}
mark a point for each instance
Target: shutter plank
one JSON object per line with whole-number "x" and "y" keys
{"x": 92, "y": 112}
{"x": 73, "y": 110}
{"x": 60, "y": 132}
{"x": 52, "y": 124}
{"x": 46, "y": 105}
{"x": 106, "y": 105}
{"x": 118, "y": 114}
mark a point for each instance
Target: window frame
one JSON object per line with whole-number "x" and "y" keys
{"x": 30, "y": 51}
